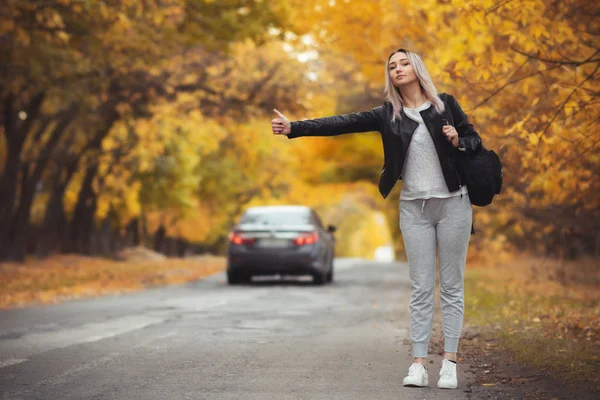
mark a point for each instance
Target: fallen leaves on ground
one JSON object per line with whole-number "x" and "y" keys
{"x": 64, "y": 277}
{"x": 545, "y": 318}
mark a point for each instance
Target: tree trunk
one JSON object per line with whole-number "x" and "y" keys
{"x": 56, "y": 229}
{"x": 17, "y": 242}
{"x": 84, "y": 201}
{"x": 15, "y": 132}
{"x": 21, "y": 223}
{"x": 54, "y": 233}
{"x": 8, "y": 195}
{"x": 132, "y": 233}
{"x": 159, "y": 238}
{"x": 182, "y": 246}
{"x": 53, "y": 230}
{"x": 83, "y": 218}
{"x": 88, "y": 227}
{"x": 104, "y": 235}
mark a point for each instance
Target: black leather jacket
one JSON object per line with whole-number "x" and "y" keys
{"x": 396, "y": 137}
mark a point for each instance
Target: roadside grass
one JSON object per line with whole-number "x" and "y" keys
{"x": 546, "y": 313}
{"x": 61, "y": 278}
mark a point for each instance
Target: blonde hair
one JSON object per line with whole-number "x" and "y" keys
{"x": 392, "y": 93}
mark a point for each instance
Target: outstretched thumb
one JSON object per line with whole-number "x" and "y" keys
{"x": 280, "y": 115}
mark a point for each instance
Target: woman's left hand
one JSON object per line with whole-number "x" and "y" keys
{"x": 451, "y": 134}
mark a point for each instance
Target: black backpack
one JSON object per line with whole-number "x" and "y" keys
{"x": 481, "y": 172}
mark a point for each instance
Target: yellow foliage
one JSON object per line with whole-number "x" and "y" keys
{"x": 200, "y": 152}
{"x": 533, "y": 57}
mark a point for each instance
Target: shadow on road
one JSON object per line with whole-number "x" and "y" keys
{"x": 292, "y": 281}
{"x": 275, "y": 280}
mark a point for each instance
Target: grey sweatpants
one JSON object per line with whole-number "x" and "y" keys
{"x": 427, "y": 225}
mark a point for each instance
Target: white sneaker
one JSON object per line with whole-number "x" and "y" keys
{"x": 417, "y": 376}
{"x": 448, "y": 376}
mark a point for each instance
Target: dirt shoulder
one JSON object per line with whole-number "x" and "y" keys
{"x": 494, "y": 373}
{"x": 497, "y": 374}
{"x": 529, "y": 335}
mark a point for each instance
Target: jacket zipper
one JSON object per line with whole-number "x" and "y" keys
{"x": 446, "y": 120}
{"x": 457, "y": 176}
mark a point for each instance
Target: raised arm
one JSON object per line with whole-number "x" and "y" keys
{"x": 365, "y": 121}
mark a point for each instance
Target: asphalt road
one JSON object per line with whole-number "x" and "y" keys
{"x": 206, "y": 340}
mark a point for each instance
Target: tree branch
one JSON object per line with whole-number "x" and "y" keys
{"x": 588, "y": 60}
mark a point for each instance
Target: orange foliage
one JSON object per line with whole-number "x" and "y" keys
{"x": 194, "y": 156}
{"x": 526, "y": 73}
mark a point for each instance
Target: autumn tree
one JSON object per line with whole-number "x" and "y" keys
{"x": 526, "y": 72}
{"x": 69, "y": 76}
{"x": 143, "y": 119}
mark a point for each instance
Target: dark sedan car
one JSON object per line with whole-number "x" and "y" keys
{"x": 280, "y": 240}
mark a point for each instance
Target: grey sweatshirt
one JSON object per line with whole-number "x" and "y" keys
{"x": 422, "y": 175}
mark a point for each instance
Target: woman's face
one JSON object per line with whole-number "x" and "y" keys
{"x": 401, "y": 71}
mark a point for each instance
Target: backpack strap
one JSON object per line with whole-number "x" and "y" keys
{"x": 447, "y": 116}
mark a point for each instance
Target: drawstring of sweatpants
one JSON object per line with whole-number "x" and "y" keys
{"x": 423, "y": 205}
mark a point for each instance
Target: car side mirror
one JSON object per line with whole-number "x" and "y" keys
{"x": 331, "y": 228}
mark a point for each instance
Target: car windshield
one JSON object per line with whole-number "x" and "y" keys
{"x": 276, "y": 218}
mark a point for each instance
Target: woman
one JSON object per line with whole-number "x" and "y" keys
{"x": 419, "y": 146}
